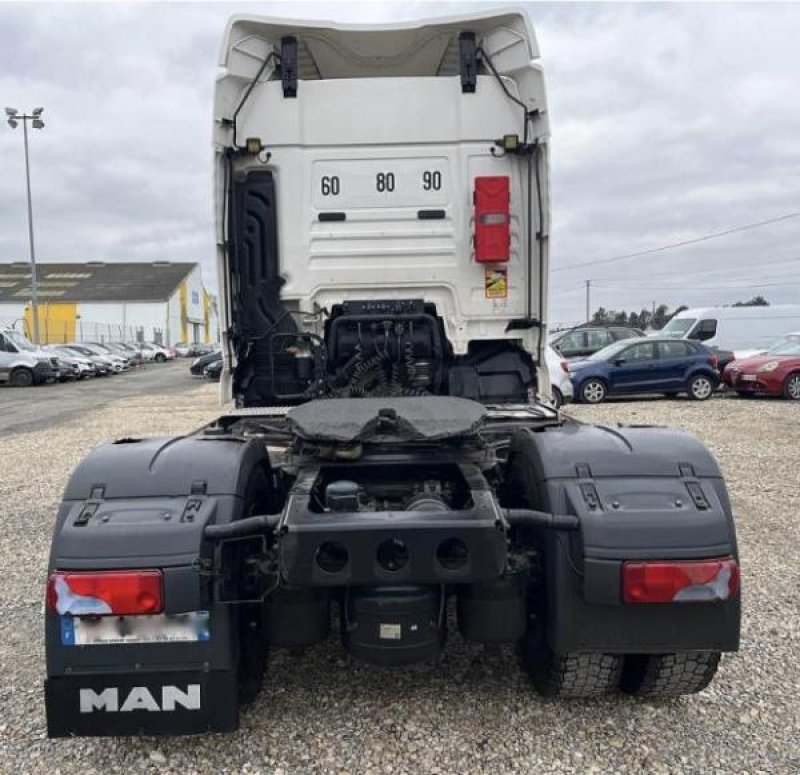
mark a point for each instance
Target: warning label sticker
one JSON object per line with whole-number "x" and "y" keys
{"x": 390, "y": 631}
{"x": 496, "y": 283}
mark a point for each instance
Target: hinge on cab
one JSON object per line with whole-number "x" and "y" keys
{"x": 693, "y": 486}
{"x": 89, "y": 509}
{"x": 195, "y": 500}
{"x": 588, "y": 490}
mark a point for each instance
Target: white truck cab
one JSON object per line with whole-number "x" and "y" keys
{"x": 382, "y": 209}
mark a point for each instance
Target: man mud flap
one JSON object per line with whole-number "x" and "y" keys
{"x": 642, "y": 494}
{"x": 139, "y": 508}
{"x": 168, "y": 703}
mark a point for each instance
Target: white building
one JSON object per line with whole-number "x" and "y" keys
{"x": 161, "y": 301}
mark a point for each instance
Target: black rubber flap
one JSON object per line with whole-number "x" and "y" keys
{"x": 426, "y": 418}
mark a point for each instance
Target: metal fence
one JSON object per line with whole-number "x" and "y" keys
{"x": 62, "y": 332}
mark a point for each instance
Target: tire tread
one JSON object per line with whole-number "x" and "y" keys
{"x": 669, "y": 675}
{"x": 577, "y": 675}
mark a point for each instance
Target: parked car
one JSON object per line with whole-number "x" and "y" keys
{"x": 745, "y": 330}
{"x": 184, "y": 350}
{"x": 126, "y": 351}
{"x": 68, "y": 366}
{"x": 773, "y": 373}
{"x": 724, "y": 357}
{"x": 559, "y": 378}
{"x": 111, "y": 352}
{"x": 81, "y": 364}
{"x": 199, "y": 364}
{"x": 213, "y": 371}
{"x": 583, "y": 341}
{"x": 156, "y": 352}
{"x": 117, "y": 364}
{"x": 668, "y": 366}
{"x": 22, "y": 363}
{"x": 102, "y": 364}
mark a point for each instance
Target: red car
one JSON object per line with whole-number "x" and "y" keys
{"x": 775, "y": 372}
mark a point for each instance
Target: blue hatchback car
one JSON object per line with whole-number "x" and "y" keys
{"x": 649, "y": 365}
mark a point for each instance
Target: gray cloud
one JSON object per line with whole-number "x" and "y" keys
{"x": 668, "y": 121}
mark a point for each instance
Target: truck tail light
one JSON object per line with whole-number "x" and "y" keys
{"x": 492, "y": 215}
{"x": 679, "y": 581}
{"x": 123, "y": 592}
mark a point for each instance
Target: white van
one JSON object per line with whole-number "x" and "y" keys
{"x": 741, "y": 329}
{"x": 22, "y": 363}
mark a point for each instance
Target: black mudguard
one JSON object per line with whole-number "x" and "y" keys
{"x": 144, "y": 504}
{"x": 639, "y": 493}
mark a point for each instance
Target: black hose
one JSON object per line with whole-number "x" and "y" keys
{"x": 541, "y": 235}
{"x": 541, "y": 519}
{"x": 499, "y": 79}
{"x": 242, "y": 527}
{"x": 272, "y": 55}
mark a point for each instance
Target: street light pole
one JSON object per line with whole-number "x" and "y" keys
{"x": 36, "y": 118}
{"x": 588, "y": 300}
{"x": 34, "y": 285}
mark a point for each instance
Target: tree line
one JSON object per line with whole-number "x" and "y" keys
{"x": 655, "y": 318}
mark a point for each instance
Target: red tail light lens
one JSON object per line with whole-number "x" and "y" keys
{"x": 679, "y": 581}
{"x": 124, "y": 592}
{"x": 565, "y": 366}
{"x": 714, "y": 361}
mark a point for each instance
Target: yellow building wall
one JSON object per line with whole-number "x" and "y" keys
{"x": 207, "y": 316}
{"x": 57, "y": 321}
{"x": 184, "y": 298}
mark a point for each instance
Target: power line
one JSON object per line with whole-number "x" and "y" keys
{"x": 670, "y": 246}
{"x": 676, "y": 275}
{"x": 733, "y": 283}
{"x": 694, "y": 272}
{"x": 689, "y": 288}
{"x": 705, "y": 282}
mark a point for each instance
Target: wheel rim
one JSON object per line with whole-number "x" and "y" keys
{"x": 793, "y": 388}
{"x": 701, "y": 388}
{"x": 593, "y": 392}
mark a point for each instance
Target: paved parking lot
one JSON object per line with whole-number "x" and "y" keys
{"x": 43, "y": 405}
{"x": 469, "y": 710}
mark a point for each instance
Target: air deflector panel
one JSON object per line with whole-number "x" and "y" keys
{"x": 256, "y": 284}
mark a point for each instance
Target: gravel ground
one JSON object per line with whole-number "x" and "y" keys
{"x": 469, "y": 710}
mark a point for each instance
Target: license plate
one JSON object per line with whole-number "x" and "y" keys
{"x": 156, "y": 628}
{"x": 748, "y": 378}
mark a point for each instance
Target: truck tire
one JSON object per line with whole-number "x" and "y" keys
{"x": 791, "y": 387}
{"x": 700, "y": 387}
{"x": 669, "y": 675}
{"x": 576, "y": 676}
{"x": 593, "y": 391}
{"x": 252, "y": 658}
{"x": 558, "y": 398}
{"x": 21, "y": 377}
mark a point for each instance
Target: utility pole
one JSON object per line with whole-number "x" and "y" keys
{"x": 588, "y": 300}
{"x": 35, "y": 118}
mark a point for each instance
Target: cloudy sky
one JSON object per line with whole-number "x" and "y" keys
{"x": 669, "y": 123}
